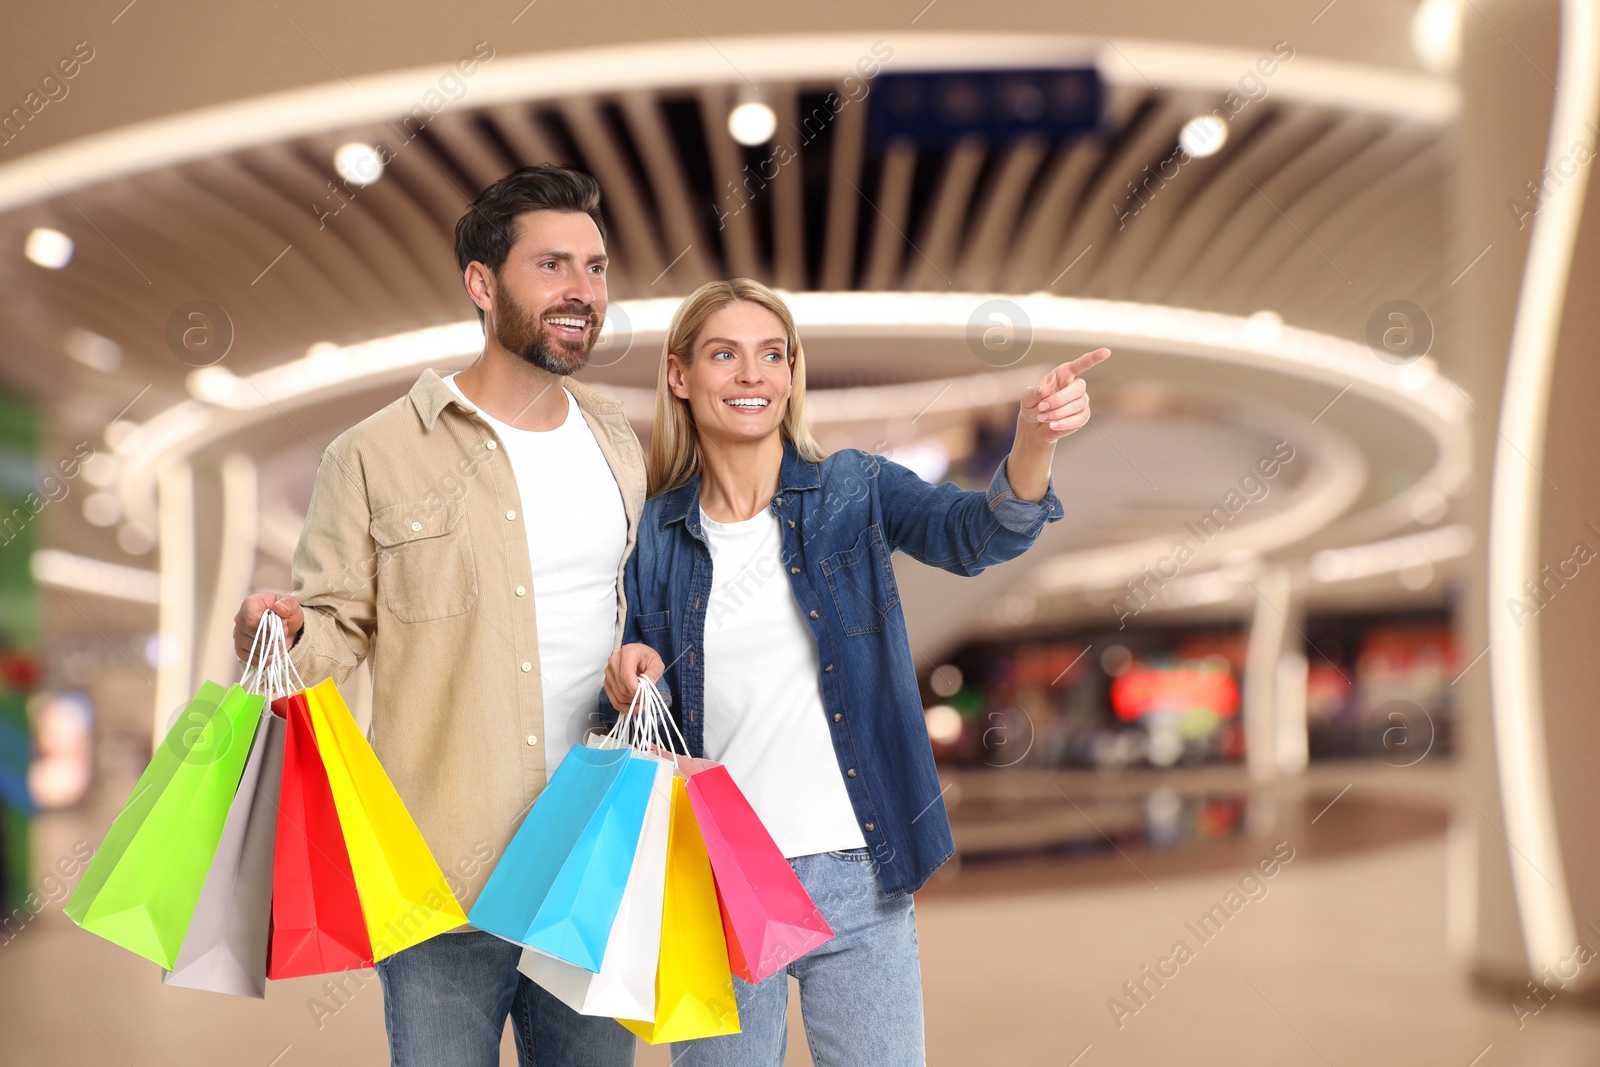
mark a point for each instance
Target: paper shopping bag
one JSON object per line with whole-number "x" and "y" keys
{"x": 625, "y": 986}
{"x": 589, "y": 815}
{"x": 149, "y": 896}
{"x": 317, "y": 924}
{"x": 225, "y": 949}
{"x": 404, "y": 896}
{"x": 769, "y": 918}
{"x": 694, "y": 987}
{"x": 158, "y": 774}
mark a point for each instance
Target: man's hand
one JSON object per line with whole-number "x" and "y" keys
{"x": 623, "y": 670}
{"x": 1059, "y": 404}
{"x": 244, "y": 624}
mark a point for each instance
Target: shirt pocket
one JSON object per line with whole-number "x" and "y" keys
{"x": 861, "y": 580}
{"x": 426, "y": 568}
{"x": 654, "y": 621}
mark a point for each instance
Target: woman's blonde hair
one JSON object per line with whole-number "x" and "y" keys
{"x": 674, "y": 441}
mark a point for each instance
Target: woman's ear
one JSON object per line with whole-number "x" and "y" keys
{"x": 675, "y": 382}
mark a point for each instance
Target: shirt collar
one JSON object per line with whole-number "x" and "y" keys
{"x": 794, "y": 474}
{"x": 430, "y": 395}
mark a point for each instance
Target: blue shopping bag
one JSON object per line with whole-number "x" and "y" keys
{"x": 559, "y": 885}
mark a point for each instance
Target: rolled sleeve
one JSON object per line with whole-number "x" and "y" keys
{"x": 1020, "y": 516}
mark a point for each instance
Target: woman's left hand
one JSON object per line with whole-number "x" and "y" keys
{"x": 1059, "y": 404}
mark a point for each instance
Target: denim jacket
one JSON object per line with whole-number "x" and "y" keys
{"x": 842, "y": 518}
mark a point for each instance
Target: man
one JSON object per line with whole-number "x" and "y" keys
{"x": 467, "y": 540}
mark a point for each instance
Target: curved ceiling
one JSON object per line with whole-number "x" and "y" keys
{"x": 890, "y": 249}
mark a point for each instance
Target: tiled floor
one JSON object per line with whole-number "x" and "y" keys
{"x": 1339, "y": 961}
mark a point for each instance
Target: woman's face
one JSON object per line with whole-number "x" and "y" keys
{"x": 738, "y": 379}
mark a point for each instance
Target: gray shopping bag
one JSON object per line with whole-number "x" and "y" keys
{"x": 225, "y": 948}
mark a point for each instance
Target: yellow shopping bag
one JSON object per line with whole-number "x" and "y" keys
{"x": 404, "y": 896}
{"x": 694, "y": 984}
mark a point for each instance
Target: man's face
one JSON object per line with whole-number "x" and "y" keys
{"x": 550, "y": 294}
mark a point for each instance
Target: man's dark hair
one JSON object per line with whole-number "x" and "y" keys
{"x": 488, "y": 229}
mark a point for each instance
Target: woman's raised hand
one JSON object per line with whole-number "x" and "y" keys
{"x": 1059, "y": 404}
{"x": 624, "y": 668}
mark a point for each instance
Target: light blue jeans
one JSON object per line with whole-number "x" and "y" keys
{"x": 860, "y": 993}
{"x": 445, "y": 1004}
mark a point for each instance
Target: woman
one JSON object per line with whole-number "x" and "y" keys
{"x": 761, "y": 586}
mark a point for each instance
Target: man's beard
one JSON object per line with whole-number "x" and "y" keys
{"x": 524, "y": 333}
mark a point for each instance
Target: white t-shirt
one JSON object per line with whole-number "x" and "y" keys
{"x": 577, "y": 531}
{"x": 764, "y": 717}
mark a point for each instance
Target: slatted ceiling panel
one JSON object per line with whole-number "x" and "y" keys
{"x": 516, "y": 125}
{"x": 396, "y": 283}
{"x": 688, "y": 251}
{"x": 415, "y": 167}
{"x": 1140, "y": 240}
{"x": 1153, "y": 136}
{"x": 1282, "y": 139}
{"x": 788, "y": 195}
{"x": 737, "y": 224}
{"x": 1241, "y": 234}
{"x": 628, "y": 214}
{"x": 256, "y": 237}
{"x": 1378, "y": 267}
{"x": 427, "y": 245}
{"x": 477, "y": 156}
{"x": 1380, "y": 205}
{"x": 939, "y": 240}
{"x": 288, "y": 185}
{"x": 1038, "y": 235}
{"x": 1303, "y": 215}
{"x": 982, "y": 261}
{"x": 888, "y": 212}
{"x": 845, "y": 199}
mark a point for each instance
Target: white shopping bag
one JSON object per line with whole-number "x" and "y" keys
{"x": 625, "y": 986}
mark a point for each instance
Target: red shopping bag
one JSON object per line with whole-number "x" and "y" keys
{"x": 317, "y": 924}
{"x": 768, "y": 917}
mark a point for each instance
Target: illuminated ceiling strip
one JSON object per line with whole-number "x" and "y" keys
{"x": 1537, "y": 871}
{"x": 1414, "y": 391}
{"x": 1386, "y": 557}
{"x": 82, "y": 574}
{"x": 818, "y": 58}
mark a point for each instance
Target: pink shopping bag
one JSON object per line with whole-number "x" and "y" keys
{"x": 768, "y": 917}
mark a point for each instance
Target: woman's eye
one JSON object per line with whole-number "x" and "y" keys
{"x": 722, "y": 353}
{"x": 773, "y": 357}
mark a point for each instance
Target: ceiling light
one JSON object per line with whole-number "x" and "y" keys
{"x": 101, "y": 509}
{"x": 752, "y": 123}
{"x": 1202, "y": 136}
{"x": 1436, "y": 35}
{"x": 357, "y": 163}
{"x": 67, "y": 571}
{"x": 214, "y": 385}
{"x": 92, "y": 350}
{"x": 944, "y": 723}
{"x": 49, "y": 248}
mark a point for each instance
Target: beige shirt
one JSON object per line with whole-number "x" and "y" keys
{"x": 411, "y": 559}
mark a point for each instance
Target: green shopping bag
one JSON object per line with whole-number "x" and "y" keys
{"x": 141, "y": 888}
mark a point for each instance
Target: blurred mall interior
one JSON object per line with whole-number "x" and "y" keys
{"x": 1322, "y": 583}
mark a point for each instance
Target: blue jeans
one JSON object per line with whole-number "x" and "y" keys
{"x": 860, "y": 993}
{"x": 445, "y": 1004}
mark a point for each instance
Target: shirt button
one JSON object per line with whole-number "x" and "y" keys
{"x": 791, "y": 524}
{"x": 511, "y": 514}
{"x": 828, "y": 668}
{"x": 534, "y": 740}
{"x": 526, "y": 666}
{"x": 870, "y": 827}
{"x": 837, "y": 717}
{"x": 851, "y": 772}
{"x": 794, "y": 570}
{"x": 813, "y": 613}
{"x": 416, "y": 526}
{"x": 778, "y": 500}
{"x": 491, "y": 445}
{"x": 521, "y": 591}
